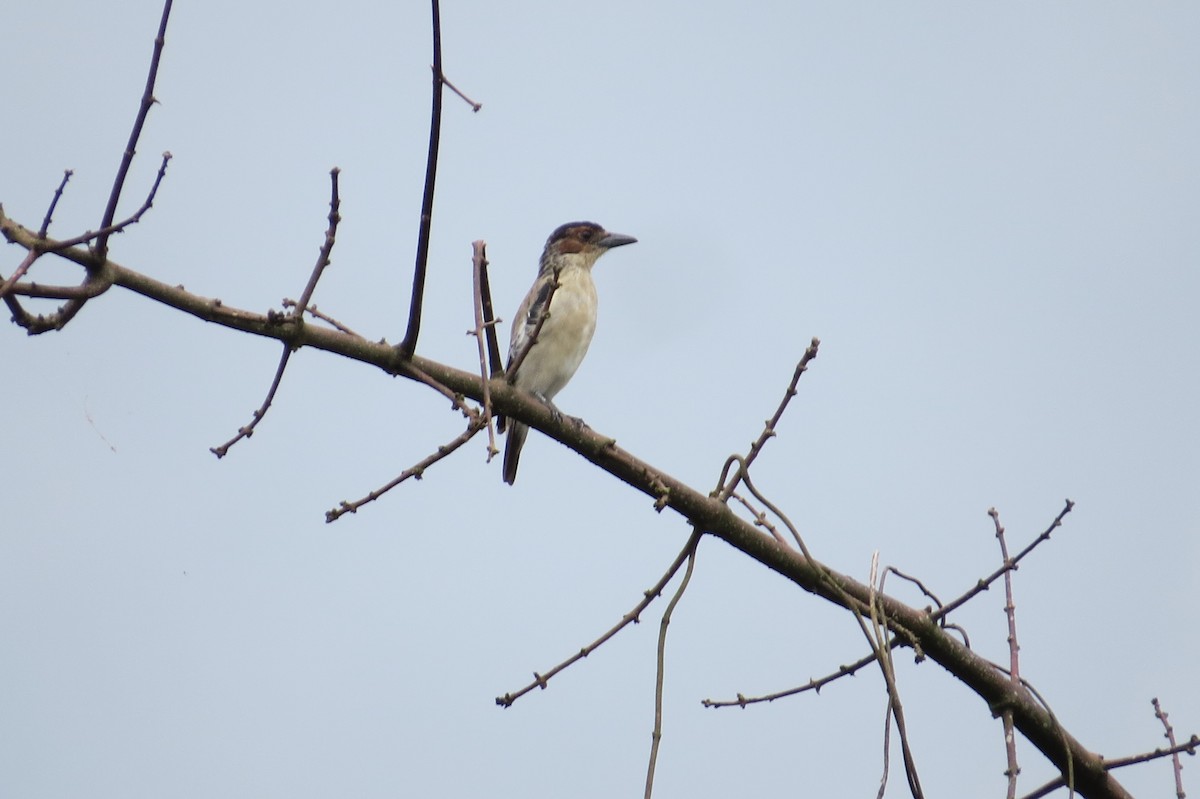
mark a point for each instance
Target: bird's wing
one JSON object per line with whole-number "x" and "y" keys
{"x": 531, "y": 310}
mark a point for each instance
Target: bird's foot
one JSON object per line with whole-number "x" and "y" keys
{"x": 559, "y": 415}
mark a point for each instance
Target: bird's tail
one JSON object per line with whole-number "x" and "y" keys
{"x": 512, "y": 449}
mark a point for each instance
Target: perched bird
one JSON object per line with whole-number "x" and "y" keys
{"x": 571, "y": 252}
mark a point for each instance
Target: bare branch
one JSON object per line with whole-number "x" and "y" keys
{"x": 36, "y": 325}
{"x": 119, "y": 227}
{"x": 335, "y": 203}
{"x": 769, "y": 428}
{"x": 482, "y": 324}
{"x": 877, "y": 636}
{"x": 148, "y": 100}
{"x": 475, "y": 423}
{"x": 45, "y": 228}
{"x": 7, "y": 285}
{"x": 918, "y": 628}
{"x": 1169, "y": 734}
{"x": 1190, "y": 746}
{"x": 316, "y": 314}
{"x": 495, "y": 363}
{"x": 656, "y": 735}
{"x": 456, "y": 400}
{"x": 93, "y": 285}
{"x": 1014, "y": 663}
{"x": 248, "y": 430}
{"x": 318, "y": 269}
{"x": 417, "y": 471}
{"x": 474, "y": 105}
{"x": 84, "y": 291}
{"x": 920, "y": 585}
{"x": 632, "y": 617}
{"x": 760, "y": 518}
{"x": 408, "y": 346}
{"x": 815, "y": 684}
{"x": 986, "y": 582}
{"x": 744, "y": 476}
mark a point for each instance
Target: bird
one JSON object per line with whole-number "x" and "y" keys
{"x": 570, "y": 253}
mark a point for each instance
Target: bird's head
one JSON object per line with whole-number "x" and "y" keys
{"x": 581, "y": 243}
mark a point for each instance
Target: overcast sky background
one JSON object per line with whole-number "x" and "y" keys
{"x": 988, "y": 214}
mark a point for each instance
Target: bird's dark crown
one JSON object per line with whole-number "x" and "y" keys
{"x": 574, "y": 236}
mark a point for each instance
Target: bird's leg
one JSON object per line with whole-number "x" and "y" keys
{"x": 559, "y": 415}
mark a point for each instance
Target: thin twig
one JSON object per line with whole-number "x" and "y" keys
{"x": 878, "y": 643}
{"x": 94, "y": 283}
{"x": 495, "y": 363}
{"x": 36, "y": 325}
{"x": 1013, "y": 768}
{"x": 656, "y": 735}
{"x": 1189, "y": 747}
{"x": 316, "y": 314}
{"x": 474, "y": 105}
{"x": 323, "y": 256}
{"x": 478, "y": 264}
{"x": 632, "y": 617}
{"x": 1069, "y": 777}
{"x": 118, "y": 227}
{"x": 760, "y": 518}
{"x": 30, "y": 257}
{"x": 878, "y": 638}
{"x": 474, "y": 425}
{"x": 812, "y": 685}
{"x": 248, "y": 430}
{"x": 1169, "y": 734}
{"x": 769, "y": 428}
{"x": 985, "y": 583}
{"x": 318, "y": 269}
{"x": 409, "y": 345}
{"x": 887, "y": 665}
{"x": 148, "y": 100}
{"x": 456, "y": 400}
{"x": 744, "y": 476}
{"x": 45, "y": 228}
{"x": 417, "y": 471}
{"x": 915, "y": 581}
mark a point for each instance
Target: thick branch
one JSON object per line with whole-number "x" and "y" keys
{"x": 409, "y": 344}
{"x": 706, "y": 513}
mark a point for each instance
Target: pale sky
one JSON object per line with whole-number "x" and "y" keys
{"x": 988, "y": 214}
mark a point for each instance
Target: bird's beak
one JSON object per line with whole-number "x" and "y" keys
{"x": 611, "y": 240}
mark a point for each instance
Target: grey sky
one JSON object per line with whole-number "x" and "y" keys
{"x": 988, "y": 214}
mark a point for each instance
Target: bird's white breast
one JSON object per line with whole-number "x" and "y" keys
{"x": 564, "y": 338}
